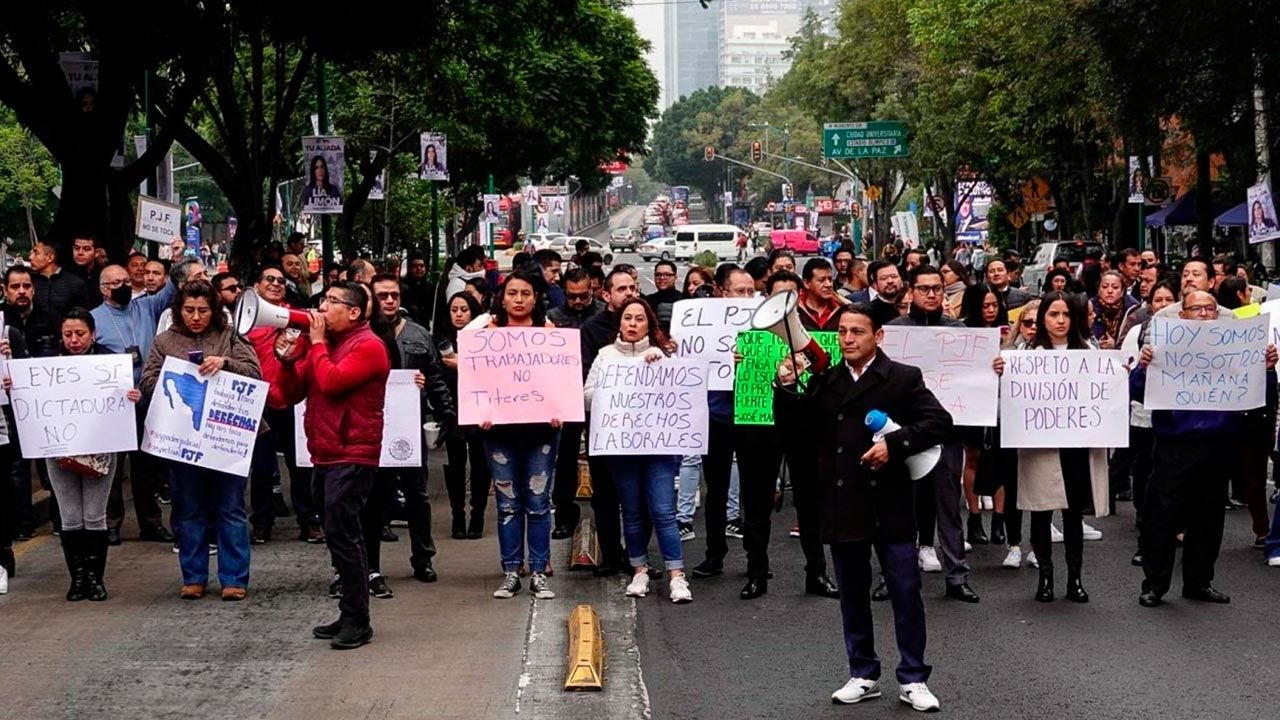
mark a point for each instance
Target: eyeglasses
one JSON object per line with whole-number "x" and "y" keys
{"x": 273, "y": 279}
{"x": 578, "y": 296}
{"x": 1200, "y": 309}
{"x": 232, "y": 288}
{"x": 340, "y": 301}
{"x": 664, "y": 275}
{"x": 927, "y": 289}
{"x": 388, "y": 295}
{"x": 113, "y": 284}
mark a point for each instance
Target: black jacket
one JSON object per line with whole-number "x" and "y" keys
{"x": 92, "y": 278}
{"x": 416, "y": 297}
{"x": 882, "y": 310}
{"x": 418, "y": 352}
{"x": 916, "y": 317}
{"x": 663, "y": 302}
{"x": 59, "y": 293}
{"x": 860, "y": 504}
{"x": 566, "y": 317}
{"x": 38, "y": 329}
{"x": 599, "y": 330}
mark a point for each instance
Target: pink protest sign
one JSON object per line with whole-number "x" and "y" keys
{"x": 519, "y": 375}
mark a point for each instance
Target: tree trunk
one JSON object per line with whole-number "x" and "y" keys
{"x": 1204, "y": 202}
{"x": 83, "y": 207}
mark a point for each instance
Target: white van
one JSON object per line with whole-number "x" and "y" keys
{"x": 720, "y": 239}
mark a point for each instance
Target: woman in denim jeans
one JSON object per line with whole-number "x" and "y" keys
{"x": 646, "y": 483}
{"x": 522, "y": 457}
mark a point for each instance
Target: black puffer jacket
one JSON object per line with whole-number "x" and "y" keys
{"x": 59, "y": 293}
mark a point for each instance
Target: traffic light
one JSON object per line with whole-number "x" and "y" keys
{"x": 708, "y": 153}
{"x": 756, "y": 151}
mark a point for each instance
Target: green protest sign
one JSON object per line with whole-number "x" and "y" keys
{"x": 753, "y": 385}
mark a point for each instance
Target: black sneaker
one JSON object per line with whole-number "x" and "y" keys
{"x": 335, "y": 588}
{"x": 733, "y": 529}
{"x": 388, "y": 536}
{"x": 260, "y": 536}
{"x": 707, "y": 568}
{"x": 113, "y": 537}
{"x": 327, "y": 632}
{"x": 162, "y": 496}
{"x": 686, "y": 532}
{"x": 351, "y": 636}
{"x": 25, "y": 533}
{"x": 509, "y": 587}
{"x": 379, "y": 588}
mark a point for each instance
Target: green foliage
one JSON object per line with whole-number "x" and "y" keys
{"x": 27, "y": 173}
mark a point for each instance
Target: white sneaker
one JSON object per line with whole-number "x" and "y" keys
{"x": 4, "y": 581}
{"x": 986, "y": 502}
{"x": 1014, "y": 558}
{"x": 1091, "y": 533}
{"x": 856, "y": 690}
{"x": 917, "y": 695}
{"x": 1031, "y": 559}
{"x": 680, "y": 590}
{"x": 639, "y": 585}
{"x": 1271, "y": 562}
{"x": 1055, "y": 534}
{"x": 929, "y": 559}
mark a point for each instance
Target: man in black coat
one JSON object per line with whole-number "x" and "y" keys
{"x": 868, "y": 499}
{"x": 57, "y": 291}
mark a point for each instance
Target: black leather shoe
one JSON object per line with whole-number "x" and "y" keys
{"x": 351, "y": 636}
{"x": 426, "y": 573}
{"x": 388, "y": 536}
{"x": 1075, "y": 589}
{"x": 1136, "y": 560}
{"x": 1206, "y": 594}
{"x": 327, "y": 632}
{"x": 1124, "y": 496}
{"x": 977, "y": 535}
{"x": 561, "y": 533}
{"x": 881, "y": 593}
{"x": 1150, "y": 599}
{"x": 608, "y": 569}
{"x": 1044, "y": 591}
{"x": 821, "y": 586}
{"x": 155, "y": 534}
{"x": 113, "y": 537}
{"x": 754, "y": 588}
{"x": 708, "y": 568}
{"x": 962, "y": 592}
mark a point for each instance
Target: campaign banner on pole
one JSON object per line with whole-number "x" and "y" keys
{"x": 379, "y": 189}
{"x": 973, "y": 203}
{"x": 1138, "y": 180}
{"x": 210, "y": 421}
{"x": 761, "y": 352}
{"x": 81, "y": 72}
{"x": 401, "y": 424}
{"x": 74, "y": 405}
{"x": 1207, "y": 365}
{"x": 492, "y": 209}
{"x": 956, "y": 363}
{"x": 433, "y": 162}
{"x": 556, "y": 203}
{"x": 707, "y": 329}
{"x": 519, "y": 375}
{"x": 157, "y": 220}
{"x": 323, "y": 158}
{"x": 1262, "y": 214}
{"x": 642, "y": 408}
{"x": 1064, "y": 398}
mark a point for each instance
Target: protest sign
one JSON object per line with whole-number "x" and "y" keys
{"x": 206, "y": 420}
{"x": 401, "y": 424}
{"x": 1271, "y": 311}
{"x": 323, "y": 158}
{"x": 708, "y": 329}
{"x": 1064, "y": 398}
{"x": 74, "y": 405}
{"x": 157, "y": 220}
{"x": 519, "y": 375}
{"x": 956, "y": 364}
{"x": 1207, "y": 365}
{"x": 641, "y": 408}
{"x": 753, "y": 386}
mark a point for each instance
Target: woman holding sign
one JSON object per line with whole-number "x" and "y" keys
{"x": 645, "y": 483}
{"x": 201, "y": 334}
{"x": 1064, "y": 479}
{"x": 522, "y": 457}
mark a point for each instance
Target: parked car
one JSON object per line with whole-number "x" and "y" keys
{"x": 543, "y": 240}
{"x": 1042, "y": 261}
{"x": 798, "y": 242}
{"x": 654, "y": 231}
{"x": 663, "y": 248}
{"x": 622, "y": 238}
{"x": 565, "y": 246}
{"x": 720, "y": 239}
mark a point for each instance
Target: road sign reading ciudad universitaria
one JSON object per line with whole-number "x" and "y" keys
{"x": 857, "y": 140}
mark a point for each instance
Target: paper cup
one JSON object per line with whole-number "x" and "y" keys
{"x": 431, "y": 433}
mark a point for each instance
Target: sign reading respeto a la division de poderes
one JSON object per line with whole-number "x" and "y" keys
{"x": 642, "y": 408}
{"x": 1064, "y": 398}
{"x": 513, "y": 375}
{"x": 74, "y": 405}
{"x": 206, "y": 420}
{"x": 1207, "y": 365}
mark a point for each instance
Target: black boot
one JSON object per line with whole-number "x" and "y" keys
{"x": 72, "y": 551}
{"x": 997, "y": 529}
{"x": 459, "y": 531}
{"x": 977, "y": 535}
{"x": 1044, "y": 591}
{"x": 1075, "y": 591}
{"x": 475, "y": 530}
{"x": 95, "y": 562}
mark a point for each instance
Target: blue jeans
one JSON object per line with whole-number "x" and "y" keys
{"x": 523, "y": 468}
{"x": 646, "y": 487}
{"x": 690, "y": 479}
{"x": 731, "y": 510}
{"x": 201, "y": 496}
{"x": 1273, "y": 538}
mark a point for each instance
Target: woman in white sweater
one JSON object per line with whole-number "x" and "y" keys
{"x": 643, "y": 481}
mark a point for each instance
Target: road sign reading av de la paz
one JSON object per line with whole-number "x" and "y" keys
{"x": 862, "y": 140}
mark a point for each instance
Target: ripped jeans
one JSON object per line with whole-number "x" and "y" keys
{"x": 523, "y": 466}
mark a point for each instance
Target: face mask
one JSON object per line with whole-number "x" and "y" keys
{"x": 122, "y": 295}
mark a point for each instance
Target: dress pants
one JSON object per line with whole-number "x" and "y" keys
{"x": 716, "y": 467}
{"x": 345, "y": 489}
{"x": 1187, "y": 488}
{"x": 802, "y": 465}
{"x": 306, "y": 504}
{"x": 417, "y": 507}
{"x": 1252, "y": 451}
{"x": 564, "y": 494}
{"x": 852, "y": 563}
{"x": 144, "y": 478}
{"x": 264, "y": 474}
{"x": 759, "y": 459}
{"x": 606, "y": 508}
{"x": 948, "y": 495}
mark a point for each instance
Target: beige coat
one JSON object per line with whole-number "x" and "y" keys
{"x": 1040, "y": 485}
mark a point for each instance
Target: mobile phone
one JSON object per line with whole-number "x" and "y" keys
{"x": 195, "y": 356}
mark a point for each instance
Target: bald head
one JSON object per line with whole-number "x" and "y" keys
{"x": 1199, "y": 305}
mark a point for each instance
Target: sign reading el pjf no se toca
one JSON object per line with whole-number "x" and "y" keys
{"x": 74, "y": 405}
{"x": 956, "y": 364}
{"x": 205, "y": 420}
{"x": 1207, "y": 365}
{"x": 519, "y": 375}
{"x": 1064, "y": 398}
{"x": 707, "y": 329}
{"x": 642, "y": 408}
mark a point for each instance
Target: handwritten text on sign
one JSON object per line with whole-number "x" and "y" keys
{"x": 708, "y": 329}
{"x": 74, "y": 405}
{"x": 401, "y": 425}
{"x": 1207, "y": 365}
{"x": 206, "y": 420}
{"x": 641, "y": 408}
{"x": 1064, "y": 398}
{"x": 956, "y": 363}
{"x": 519, "y": 375}
{"x": 753, "y": 386}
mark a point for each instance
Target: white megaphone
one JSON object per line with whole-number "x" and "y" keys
{"x": 253, "y": 312}
{"x": 919, "y": 464}
{"x": 778, "y": 315}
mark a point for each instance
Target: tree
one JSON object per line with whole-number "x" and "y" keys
{"x": 713, "y": 116}
{"x": 27, "y": 173}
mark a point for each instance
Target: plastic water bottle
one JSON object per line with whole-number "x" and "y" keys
{"x": 919, "y": 464}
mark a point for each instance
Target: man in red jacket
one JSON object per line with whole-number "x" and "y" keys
{"x": 344, "y": 379}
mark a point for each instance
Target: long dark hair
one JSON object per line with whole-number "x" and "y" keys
{"x": 1079, "y": 332}
{"x": 199, "y": 289}
{"x": 539, "y": 285}
{"x": 958, "y": 268}
{"x": 971, "y": 306}
{"x": 447, "y": 331}
{"x": 657, "y": 337}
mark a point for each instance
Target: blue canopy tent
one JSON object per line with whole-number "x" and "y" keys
{"x": 1236, "y": 216}
{"x": 1181, "y": 212}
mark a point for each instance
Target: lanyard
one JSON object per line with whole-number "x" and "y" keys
{"x": 133, "y": 339}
